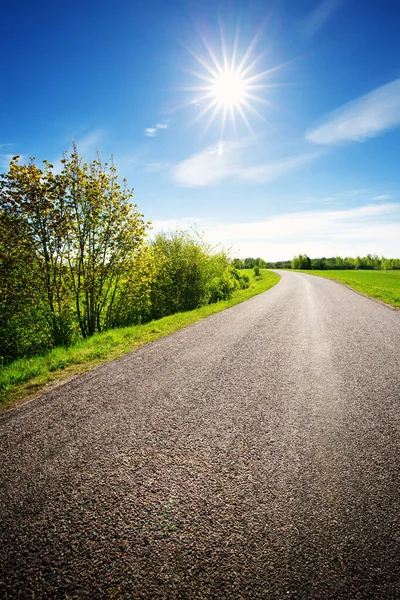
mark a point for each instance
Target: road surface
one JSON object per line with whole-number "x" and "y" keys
{"x": 252, "y": 455}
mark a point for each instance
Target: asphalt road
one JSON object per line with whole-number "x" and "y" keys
{"x": 251, "y": 455}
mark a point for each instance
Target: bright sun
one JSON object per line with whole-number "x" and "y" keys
{"x": 230, "y": 85}
{"x": 229, "y": 89}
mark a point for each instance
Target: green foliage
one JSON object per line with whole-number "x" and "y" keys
{"x": 249, "y": 263}
{"x": 368, "y": 262}
{"x": 390, "y": 264}
{"x": 34, "y": 298}
{"x": 27, "y": 375}
{"x": 243, "y": 279}
{"x": 105, "y": 233}
{"x": 302, "y": 261}
{"x": 180, "y": 281}
{"x": 189, "y": 274}
{"x": 280, "y": 264}
{"x": 74, "y": 259}
{"x": 221, "y": 287}
{"x": 256, "y": 271}
{"x": 67, "y": 242}
{"x": 237, "y": 263}
{"x": 133, "y": 298}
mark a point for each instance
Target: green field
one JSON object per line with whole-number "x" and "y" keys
{"x": 26, "y": 377}
{"x": 380, "y": 285}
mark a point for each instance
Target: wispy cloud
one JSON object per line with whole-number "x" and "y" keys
{"x": 6, "y": 156}
{"x": 362, "y": 194}
{"x": 320, "y": 15}
{"x": 89, "y": 143}
{"x": 368, "y": 116}
{"x": 267, "y": 172}
{"x": 152, "y": 131}
{"x": 356, "y": 231}
{"x": 223, "y": 161}
{"x": 150, "y": 167}
{"x": 5, "y": 160}
{"x": 209, "y": 167}
{"x": 185, "y": 223}
{"x": 382, "y": 197}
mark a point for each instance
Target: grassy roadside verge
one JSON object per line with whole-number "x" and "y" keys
{"x": 26, "y": 377}
{"x": 380, "y": 285}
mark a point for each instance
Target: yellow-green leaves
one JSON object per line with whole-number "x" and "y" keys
{"x": 67, "y": 241}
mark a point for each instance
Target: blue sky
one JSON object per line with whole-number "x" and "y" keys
{"x": 311, "y": 164}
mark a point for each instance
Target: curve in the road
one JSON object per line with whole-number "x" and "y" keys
{"x": 251, "y": 455}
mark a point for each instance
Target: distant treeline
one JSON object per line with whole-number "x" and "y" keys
{"x": 250, "y": 263}
{"x": 302, "y": 261}
{"x": 75, "y": 259}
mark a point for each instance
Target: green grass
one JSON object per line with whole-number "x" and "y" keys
{"x": 381, "y": 285}
{"x": 26, "y": 377}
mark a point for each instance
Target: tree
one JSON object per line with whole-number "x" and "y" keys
{"x": 34, "y": 201}
{"x": 67, "y": 244}
{"x": 302, "y": 261}
{"x": 249, "y": 263}
{"x": 133, "y": 300}
{"x": 237, "y": 263}
{"x": 182, "y": 274}
{"x": 190, "y": 273}
{"x": 318, "y": 263}
{"x": 105, "y": 234}
{"x": 23, "y": 330}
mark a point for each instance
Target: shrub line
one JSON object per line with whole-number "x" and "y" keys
{"x": 26, "y": 378}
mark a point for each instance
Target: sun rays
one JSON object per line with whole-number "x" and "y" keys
{"x": 229, "y": 85}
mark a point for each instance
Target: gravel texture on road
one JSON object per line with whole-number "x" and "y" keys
{"x": 253, "y": 455}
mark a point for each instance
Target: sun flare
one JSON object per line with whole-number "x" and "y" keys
{"x": 230, "y": 85}
{"x": 229, "y": 89}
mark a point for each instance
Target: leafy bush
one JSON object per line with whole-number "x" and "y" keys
{"x": 74, "y": 260}
{"x": 242, "y": 279}
{"x": 302, "y": 261}
{"x": 190, "y": 274}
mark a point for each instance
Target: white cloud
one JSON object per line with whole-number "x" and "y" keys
{"x": 343, "y": 197}
{"x": 223, "y": 161}
{"x": 150, "y": 167}
{"x": 209, "y": 167}
{"x": 320, "y": 15}
{"x": 371, "y": 228}
{"x": 185, "y": 223}
{"x": 152, "y": 131}
{"x": 154, "y": 167}
{"x": 273, "y": 170}
{"x": 382, "y": 197}
{"x": 89, "y": 144}
{"x": 363, "y": 118}
{"x": 6, "y": 156}
{"x": 5, "y": 160}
